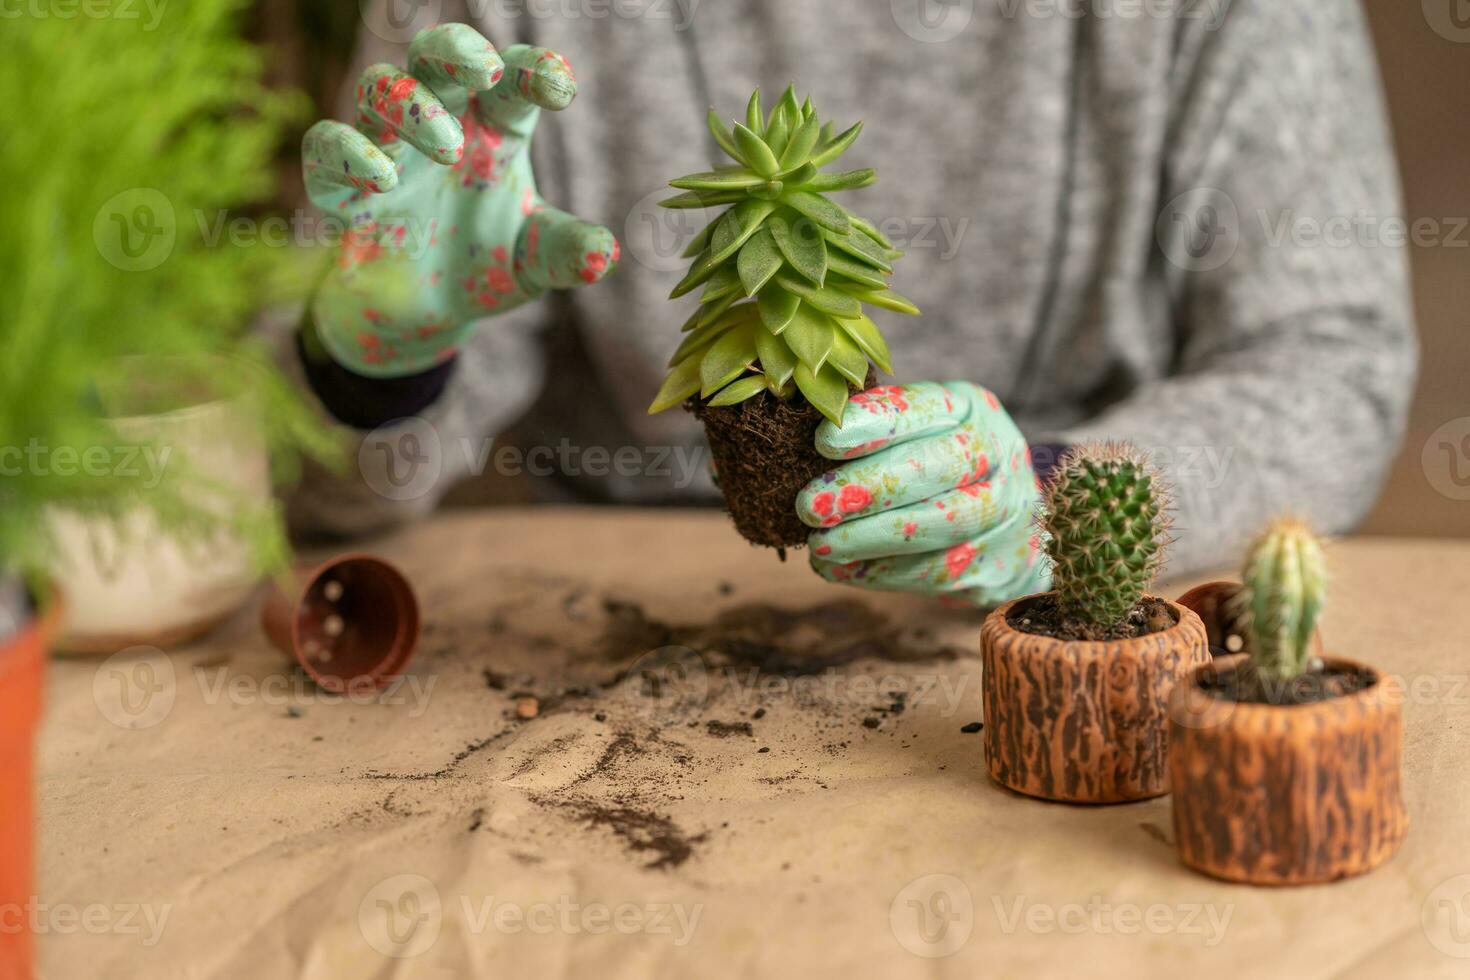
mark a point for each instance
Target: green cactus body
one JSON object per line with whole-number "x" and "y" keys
{"x": 1285, "y": 588}
{"x": 1106, "y": 530}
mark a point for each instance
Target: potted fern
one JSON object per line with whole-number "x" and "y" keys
{"x": 781, "y": 337}
{"x": 86, "y": 313}
{"x": 1076, "y": 681}
{"x": 1286, "y": 764}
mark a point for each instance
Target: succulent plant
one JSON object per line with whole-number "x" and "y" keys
{"x": 785, "y": 270}
{"x": 1285, "y": 588}
{"x": 1106, "y": 527}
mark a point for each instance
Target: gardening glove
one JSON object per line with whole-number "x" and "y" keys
{"x": 444, "y": 222}
{"x": 938, "y": 496}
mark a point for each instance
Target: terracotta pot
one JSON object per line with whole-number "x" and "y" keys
{"x": 352, "y": 622}
{"x": 1082, "y": 721}
{"x": 1216, "y": 605}
{"x": 1286, "y": 794}
{"x": 22, "y": 673}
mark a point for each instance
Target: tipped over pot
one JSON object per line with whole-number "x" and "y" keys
{"x": 351, "y": 622}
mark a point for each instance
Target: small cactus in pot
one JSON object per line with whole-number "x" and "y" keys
{"x": 1076, "y": 681}
{"x": 1321, "y": 797}
{"x": 1285, "y": 589}
{"x": 1106, "y": 524}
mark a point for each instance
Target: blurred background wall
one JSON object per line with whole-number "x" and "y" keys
{"x": 1424, "y": 53}
{"x": 1427, "y": 75}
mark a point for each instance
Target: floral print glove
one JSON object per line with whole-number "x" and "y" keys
{"x": 938, "y": 496}
{"x": 443, "y": 222}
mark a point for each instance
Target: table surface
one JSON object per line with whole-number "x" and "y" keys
{"x": 231, "y": 821}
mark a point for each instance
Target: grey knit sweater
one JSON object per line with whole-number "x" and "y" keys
{"x": 1152, "y": 220}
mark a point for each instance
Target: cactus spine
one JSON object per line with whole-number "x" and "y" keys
{"x": 1106, "y": 525}
{"x": 1285, "y": 587}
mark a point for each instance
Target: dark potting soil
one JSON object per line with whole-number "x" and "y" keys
{"x": 790, "y": 642}
{"x": 1041, "y": 617}
{"x": 764, "y": 454}
{"x": 1246, "y": 686}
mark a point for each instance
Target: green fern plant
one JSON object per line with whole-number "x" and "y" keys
{"x": 110, "y": 108}
{"x": 786, "y": 271}
{"x": 1285, "y": 580}
{"x": 1106, "y": 528}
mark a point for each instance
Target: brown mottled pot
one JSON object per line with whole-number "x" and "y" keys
{"x": 1286, "y": 794}
{"x": 1081, "y": 721}
{"x": 1217, "y": 605}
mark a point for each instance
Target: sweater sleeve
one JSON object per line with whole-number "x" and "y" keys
{"x": 398, "y": 471}
{"x": 1281, "y": 242}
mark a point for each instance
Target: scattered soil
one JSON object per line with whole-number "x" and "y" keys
{"x": 1041, "y": 617}
{"x": 1245, "y": 686}
{"x": 640, "y": 830}
{"x": 789, "y": 642}
{"x": 724, "y": 729}
{"x": 764, "y": 453}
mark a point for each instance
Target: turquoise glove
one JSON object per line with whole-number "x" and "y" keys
{"x": 445, "y": 225}
{"x": 939, "y": 496}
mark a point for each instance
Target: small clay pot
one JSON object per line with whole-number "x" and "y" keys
{"x": 1290, "y": 794}
{"x": 1082, "y": 721}
{"x": 352, "y": 622}
{"x": 1218, "y": 606}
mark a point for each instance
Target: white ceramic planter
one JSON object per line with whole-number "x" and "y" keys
{"x": 133, "y": 584}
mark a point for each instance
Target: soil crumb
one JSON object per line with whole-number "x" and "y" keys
{"x": 724, "y": 729}
{"x": 1041, "y": 617}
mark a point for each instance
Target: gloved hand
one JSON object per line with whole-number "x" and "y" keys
{"x": 435, "y": 184}
{"x": 938, "y": 496}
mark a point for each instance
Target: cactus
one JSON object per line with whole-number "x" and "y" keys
{"x": 1106, "y": 526}
{"x": 1285, "y": 587}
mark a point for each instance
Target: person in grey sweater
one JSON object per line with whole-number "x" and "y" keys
{"x": 1141, "y": 221}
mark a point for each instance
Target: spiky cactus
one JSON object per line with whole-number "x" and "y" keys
{"x": 785, "y": 270}
{"x": 1106, "y": 527}
{"x": 1285, "y": 587}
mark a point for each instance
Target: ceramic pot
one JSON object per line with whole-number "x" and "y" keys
{"x": 1218, "y": 606}
{"x": 1082, "y": 721}
{"x": 1286, "y": 794}
{"x": 132, "y": 584}
{"x": 22, "y": 672}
